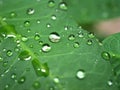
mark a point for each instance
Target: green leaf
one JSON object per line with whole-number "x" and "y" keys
{"x": 112, "y": 45}
{"x": 47, "y": 50}
{"x": 90, "y": 11}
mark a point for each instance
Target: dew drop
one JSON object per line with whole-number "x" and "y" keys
{"x": 66, "y": 28}
{"x": 24, "y": 39}
{"x": 46, "y": 48}
{"x": 53, "y": 17}
{"x": 63, "y": 6}
{"x": 5, "y": 63}
{"x": 80, "y": 34}
{"x": 56, "y": 80}
{"x": 51, "y": 3}
{"x": 54, "y": 37}
{"x": 89, "y": 42}
{"x": 1, "y": 59}
{"x": 71, "y": 37}
{"x": 21, "y": 80}
{"x": 80, "y": 74}
{"x": 105, "y": 55}
{"x": 76, "y": 45}
{"x": 7, "y": 86}
{"x": 13, "y": 76}
{"x": 9, "y": 53}
{"x": 48, "y": 25}
{"x": 25, "y": 56}
{"x": 38, "y": 21}
{"x": 51, "y": 88}
{"x": 37, "y": 36}
{"x": 91, "y": 35}
{"x": 41, "y": 42}
{"x": 40, "y": 69}
{"x": 110, "y": 83}
{"x": 17, "y": 49}
{"x": 36, "y": 85}
{"x": 30, "y": 11}
{"x": 13, "y": 14}
{"x": 27, "y": 23}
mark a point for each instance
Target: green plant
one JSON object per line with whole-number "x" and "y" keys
{"x": 44, "y": 47}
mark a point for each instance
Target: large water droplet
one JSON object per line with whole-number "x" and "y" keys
{"x": 110, "y": 83}
{"x": 30, "y": 11}
{"x": 37, "y": 36}
{"x": 27, "y": 23}
{"x": 21, "y": 80}
{"x": 9, "y": 53}
{"x": 46, "y": 48}
{"x": 40, "y": 69}
{"x": 71, "y": 37}
{"x": 105, "y": 55}
{"x": 80, "y": 74}
{"x": 91, "y": 35}
{"x": 36, "y": 84}
{"x": 54, "y": 37}
{"x": 51, "y": 3}
{"x": 24, "y": 38}
{"x": 24, "y": 55}
{"x": 63, "y": 6}
{"x": 76, "y": 45}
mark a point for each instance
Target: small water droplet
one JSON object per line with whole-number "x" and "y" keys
{"x": 37, "y": 36}
{"x": 24, "y": 55}
{"x": 46, "y": 48}
{"x": 5, "y": 63}
{"x": 80, "y": 74}
{"x": 76, "y": 45}
{"x": 41, "y": 42}
{"x": 30, "y": 11}
{"x": 13, "y": 14}
{"x": 1, "y": 59}
{"x": 38, "y": 21}
{"x": 105, "y": 55}
{"x": 91, "y": 35}
{"x": 13, "y": 76}
{"x": 63, "y": 6}
{"x": 9, "y": 53}
{"x": 36, "y": 84}
{"x": 53, "y": 17}
{"x": 89, "y": 42}
{"x": 6, "y": 86}
{"x": 27, "y": 23}
{"x": 80, "y": 34}
{"x": 110, "y": 83}
{"x": 51, "y": 88}
{"x": 66, "y": 28}
{"x": 51, "y": 3}
{"x": 28, "y": 30}
{"x": 48, "y": 25}
{"x": 17, "y": 49}
{"x": 54, "y": 37}
{"x": 40, "y": 69}
{"x": 56, "y": 80}
{"x": 21, "y": 80}
{"x": 71, "y": 37}
{"x": 24, "y": 39}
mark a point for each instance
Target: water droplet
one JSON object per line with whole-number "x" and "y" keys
{"x": 51, "y": 3}
{"x": 105, "y": 55}
{"x": 17, "y": 49}
{"x": 80, "y": 74}
{"x": 53, "y": 17}
{"x": 24, "y": 55}
{"x": 5, "y": 63}
{"x": 71, "y": 37}
{"x": 66, "y": 28}
{"x": 51, "y": 88}
{"x": 13, "y": 14}
{"x": 36, "y": 85}
{"x": 30, "y": 11}
{"x": 54, "y": 37}
{"x": 28, "y": 30}
{"x": 56, "y": 80}
{"x": 13, "y": 76}
{"x": 76, "y": 45}
{"x": 48, "y": 25}
{"x": 24, "y": 39}
{"x": 110, "y": 83}
{"x": 37, "y": 36}
{"x": 91, "y": 35}
{"x": 9, "y": 53}
{"x": 80, "y": 34}
{"x": 41, "y": 42}
{"x": 6, "y": 86}
{"x": 27, "y": 23}
{"x": 40, "y": 69}
{"x": 1, "y": 59}
{"x": 89, "y": 42}
{"x": 63, "y": 6}
{"x": 38, "y": 21}
{"x": 21, "y": 80}
{"x": 46, "y": 48}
